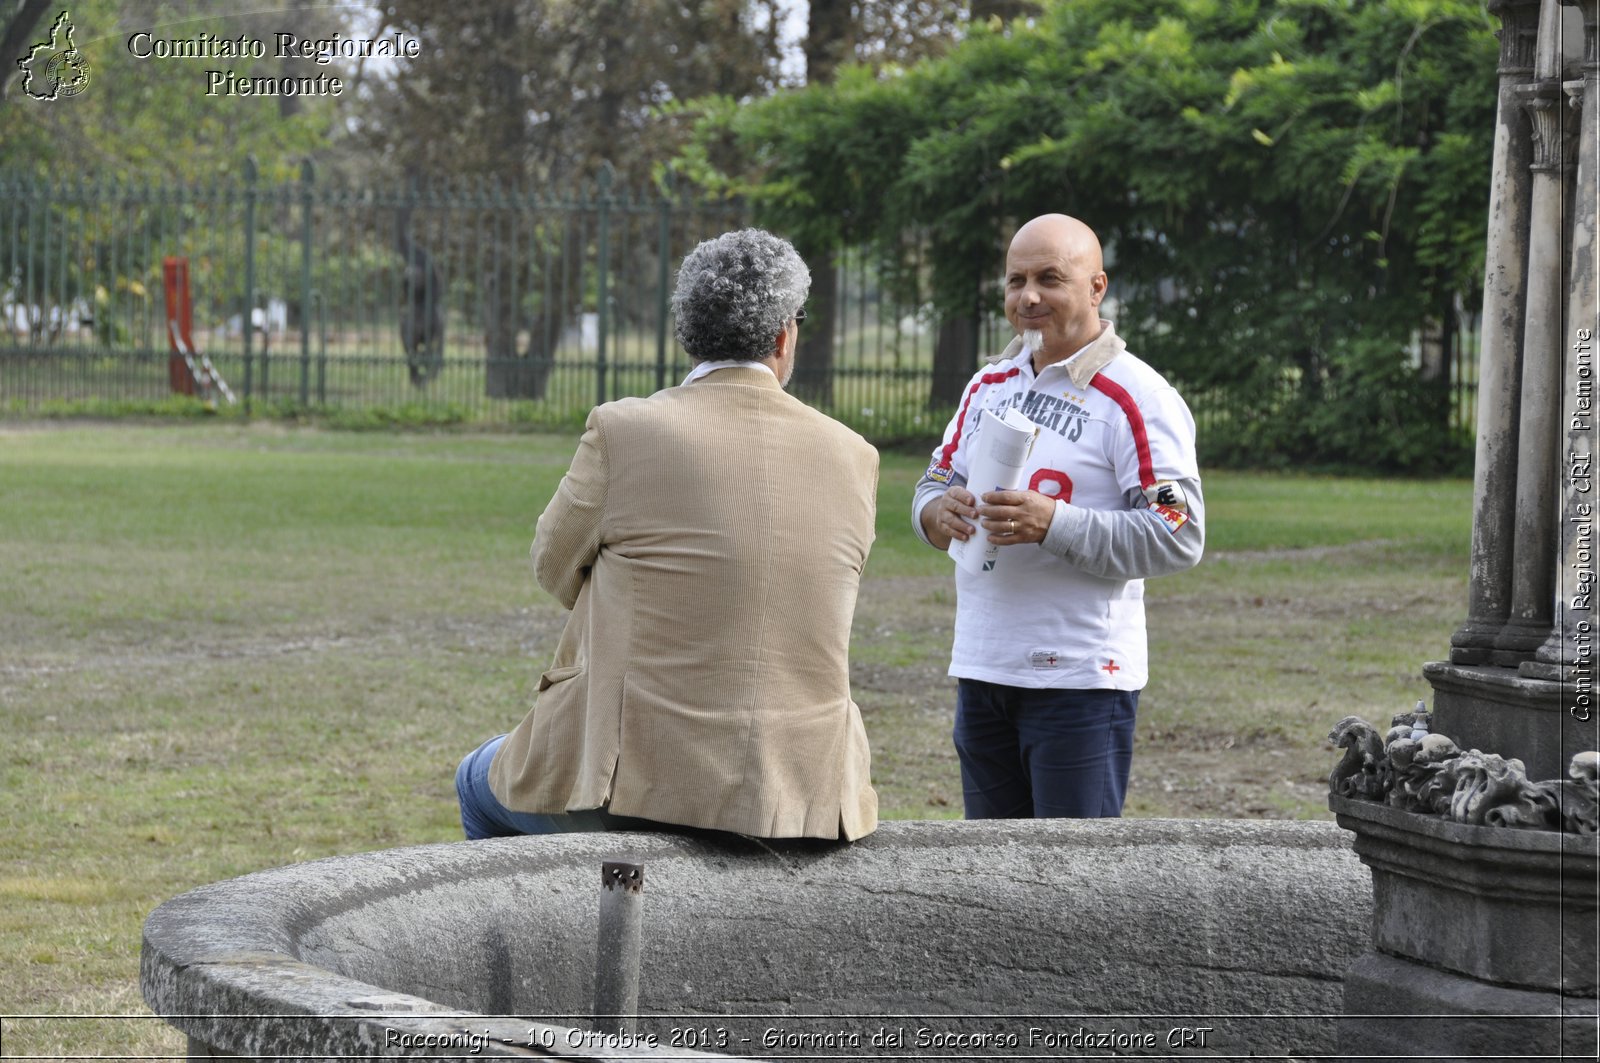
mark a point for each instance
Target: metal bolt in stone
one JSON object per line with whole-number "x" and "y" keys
{"x": 616, "y": 972}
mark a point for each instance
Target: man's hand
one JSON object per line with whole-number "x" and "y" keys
{"x": 1012, "y": 517}
{"x": 950, "y": 516}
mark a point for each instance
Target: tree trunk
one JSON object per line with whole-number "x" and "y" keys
{"x": 813, "y": 366}
{"x": 289, "y": 106}
{"x": 1439, "y": 336}
{"x": 421, "y": 310}
{"x": 830, "y": 38}
{"x": 955, "y": 356}
{"x": 1005, "y": 10}
{"x": 511, "y": 370}
{"x": 18, "y": 37}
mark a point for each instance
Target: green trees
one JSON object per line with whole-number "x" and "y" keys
{"x": 544, "y": 91}
{"x": 537, "y": 96}
{"x": 144, "y": 117}
{"x": 1292, "y": 192}
{"x": 93, "y": 249}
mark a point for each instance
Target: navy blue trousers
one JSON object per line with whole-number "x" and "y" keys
{"x": 1043, "y": 753}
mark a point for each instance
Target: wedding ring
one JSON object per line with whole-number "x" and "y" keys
{"x": 1013, "y": 527}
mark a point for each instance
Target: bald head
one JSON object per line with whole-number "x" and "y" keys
{"x": 1055, "y": 279}
{"x": 1066, "y": 235}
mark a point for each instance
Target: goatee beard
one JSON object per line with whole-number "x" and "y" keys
{"x": 1032, "y": 340}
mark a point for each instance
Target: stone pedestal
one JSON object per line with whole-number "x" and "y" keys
{"x": 1512, "y": 907}
{"x": 1398, "y": 1011}
{"x": 1484, "y": 940}
{"x": 1500, "y": 711}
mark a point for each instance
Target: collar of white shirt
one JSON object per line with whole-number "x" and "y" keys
{"x": 1082, "y": 364}
{"x": 707, "y": 368}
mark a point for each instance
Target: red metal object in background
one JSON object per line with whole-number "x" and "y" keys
{"x": 180, "y": 324}
{"x": 190, "y": 372}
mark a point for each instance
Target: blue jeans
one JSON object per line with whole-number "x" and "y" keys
{"x": 483, "y": 816}
{"x": 1043, "y": 753}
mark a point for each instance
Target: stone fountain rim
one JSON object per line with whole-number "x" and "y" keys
{"x": 507, "y": 857}
{"x": 234, "y": 942}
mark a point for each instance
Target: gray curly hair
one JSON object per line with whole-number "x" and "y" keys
{"x": 735, "y": 293}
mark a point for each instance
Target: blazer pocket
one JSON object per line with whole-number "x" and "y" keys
{"x": 555, "y": 740}
{"x": 559, "y": 675}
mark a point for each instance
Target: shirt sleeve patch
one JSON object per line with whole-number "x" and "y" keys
{"x": 1167, "y": 493}
{"x": 1172, "y": 518}
{"x": 939, "y": 473}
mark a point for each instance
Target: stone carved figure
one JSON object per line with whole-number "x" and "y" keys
{"x": 1580, "y": 805}
{"x": 1495, "y": 791}
{"x": 1364, "y": 771}
{"x": 1419, "y": 786}
{"x": 1429, "y": 774}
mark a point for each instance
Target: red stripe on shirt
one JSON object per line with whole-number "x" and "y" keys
{"x": 1141, "y": 442}
{"x": 961, "y": 420}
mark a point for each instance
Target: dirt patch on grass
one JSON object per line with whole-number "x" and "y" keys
{"x": 901, "y": 645}
{"x": 532, "y": 630}
{"x": 900, "y": 650}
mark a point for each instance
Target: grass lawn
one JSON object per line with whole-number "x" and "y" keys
{"x": 225, "y": 647}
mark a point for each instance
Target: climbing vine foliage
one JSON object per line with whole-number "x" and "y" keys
{"x": 1293, "y": 193}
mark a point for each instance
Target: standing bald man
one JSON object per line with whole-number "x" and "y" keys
{"x": 1049, "y": 651}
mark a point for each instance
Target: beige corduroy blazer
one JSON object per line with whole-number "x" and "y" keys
{"x": 709, "y": 541}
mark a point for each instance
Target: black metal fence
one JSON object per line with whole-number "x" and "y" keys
{"x": 486, "y": 302}
{"x": 468, "y": 301}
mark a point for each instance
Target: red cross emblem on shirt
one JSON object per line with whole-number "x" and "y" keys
{"x": 1110, "y": 667}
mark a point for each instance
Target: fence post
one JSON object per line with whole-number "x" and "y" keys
{"x": 31, "y": 294}
{"x": 12, "y": 191}
{"x": 247, "y": 325}
{"x": 604, "y": 254}
{"x": 322, "y": 349}
{"x": 663, "y": 249}
{"x": 307, "y": 176}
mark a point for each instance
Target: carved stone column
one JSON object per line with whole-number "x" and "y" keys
{"x": 1479, "y": 698}
{"x": 1568, "y": 654}
{"x": 1533, "y": 560}
{"x": 1499, "y": 362}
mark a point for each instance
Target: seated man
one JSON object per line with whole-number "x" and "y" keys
{"x": 709, "y": 541}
